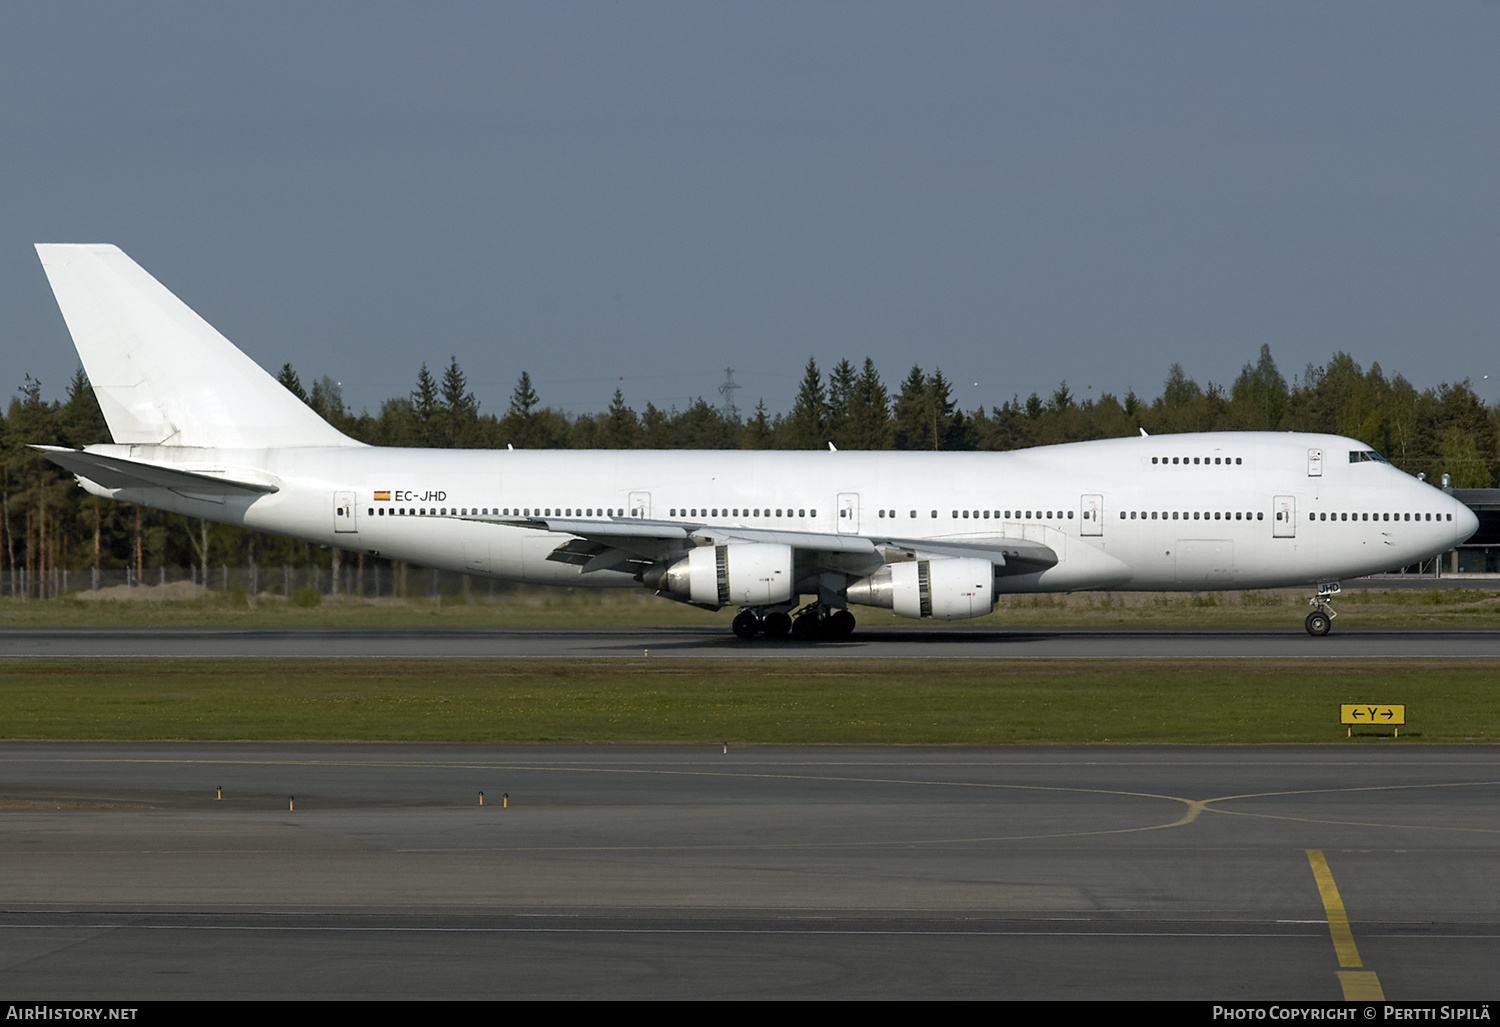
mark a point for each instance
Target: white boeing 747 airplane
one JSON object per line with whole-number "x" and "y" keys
{"x": 201, "y": 430}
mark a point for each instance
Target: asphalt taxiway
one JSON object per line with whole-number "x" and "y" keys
{"x": 371, "y": 871}
{"x": 713, "y": 642}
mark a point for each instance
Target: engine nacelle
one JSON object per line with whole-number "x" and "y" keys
{"x": 944, "y": 589}
{"x": 741, "y": 574}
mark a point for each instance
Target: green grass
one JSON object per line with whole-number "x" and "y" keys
{"x": 803, "y": 701}
{"x": 529, "y": 607}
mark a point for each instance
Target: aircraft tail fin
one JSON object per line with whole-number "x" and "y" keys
{"x": 162, "y": 374}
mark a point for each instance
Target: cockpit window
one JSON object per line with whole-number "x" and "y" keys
{"x": 1359, "y": 456}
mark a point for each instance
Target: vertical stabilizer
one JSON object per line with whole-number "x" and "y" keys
{"x": 162, "y": 374}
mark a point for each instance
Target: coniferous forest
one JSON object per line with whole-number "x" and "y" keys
{"x": 51, "y": 524}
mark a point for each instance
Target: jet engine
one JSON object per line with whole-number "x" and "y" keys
{"x": 742, "y": 574}
{"x": 944, "y": 589}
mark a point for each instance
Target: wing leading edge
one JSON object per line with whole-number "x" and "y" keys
{"x": 643, "y": 540}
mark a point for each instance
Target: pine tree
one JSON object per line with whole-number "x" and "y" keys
{"x": 518, "y": 427}
{"x": 869, "y": 419}
{"x": 456, "y": 395}
{"x": 909, "y": 427}
{"x": 925, "y": 416}
{"x": 81, "y": 420}
{"x": 621, "y": 427}
{"x": 842, "y": 383}
{"x": 288, "y": 378}
{"x": 807, "y": 425}
{"x": 424, "y": 405}
{"x": 460, "y": 408}
{"x": 759, "y": 432}
{"x": 327, "y": 400}
{"x": 946, "y": 420}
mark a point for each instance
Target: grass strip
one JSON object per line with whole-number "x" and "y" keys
{"x": 773, "y": 701}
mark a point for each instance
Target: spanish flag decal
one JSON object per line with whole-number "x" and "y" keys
{"x": 379, "y": 496}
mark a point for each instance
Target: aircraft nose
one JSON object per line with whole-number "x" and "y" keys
{"x": 1464, "y": 522}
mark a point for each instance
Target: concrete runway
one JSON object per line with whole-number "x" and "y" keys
{"x": 712, "y": 642}
{"x": 807, "y": 872}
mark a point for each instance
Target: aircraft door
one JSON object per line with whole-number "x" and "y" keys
{"x": 640, "y": 504}
{"x": 1314, "y": 463}
{"x": 1284, "y": 517}
{"x": 1092, "y": 511}
{"x": 344, "y": 509}
{"x": 848, "y": 508}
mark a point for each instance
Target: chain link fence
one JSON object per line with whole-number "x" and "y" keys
{"x": 375, "y": 580}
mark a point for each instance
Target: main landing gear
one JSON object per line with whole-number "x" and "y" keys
{"x": 809, "y": 624}
{"x": 1320, "y": 621}
{"x": 751, "y": 622}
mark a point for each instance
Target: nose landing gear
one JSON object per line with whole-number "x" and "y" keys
{"x": 1320, "y": 621}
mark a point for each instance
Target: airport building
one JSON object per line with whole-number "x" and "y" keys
{"x": 1481, "y": 553}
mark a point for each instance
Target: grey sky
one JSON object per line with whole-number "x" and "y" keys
{"x": 641, "y": 194}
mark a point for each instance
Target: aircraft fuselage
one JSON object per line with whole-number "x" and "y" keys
{"x": 1230, "y": 510}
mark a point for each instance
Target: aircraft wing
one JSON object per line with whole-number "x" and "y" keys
{"x": 1010, "y": 555}
{"x": 114, "y": 472}
{"x": 635, "y": 539}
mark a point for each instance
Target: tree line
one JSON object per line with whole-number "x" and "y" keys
{"x": 48, "y": 523}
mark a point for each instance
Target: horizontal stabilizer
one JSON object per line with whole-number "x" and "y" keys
{"x": 112, "y": 472}
{"x": 162, "y": 374}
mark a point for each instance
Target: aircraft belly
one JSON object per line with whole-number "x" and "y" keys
{"x": 1206, "y": 562}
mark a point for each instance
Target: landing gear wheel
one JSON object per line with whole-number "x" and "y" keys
{"x": 807, "y": 628}
{"x": 840, "y": 624}
{"x": 776, "y": 625}
{"x": 1318, "y": 624}
{"x": 746, "y": 624}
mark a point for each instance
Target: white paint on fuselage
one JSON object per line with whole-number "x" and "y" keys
{"x": 1213, "y": 523}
